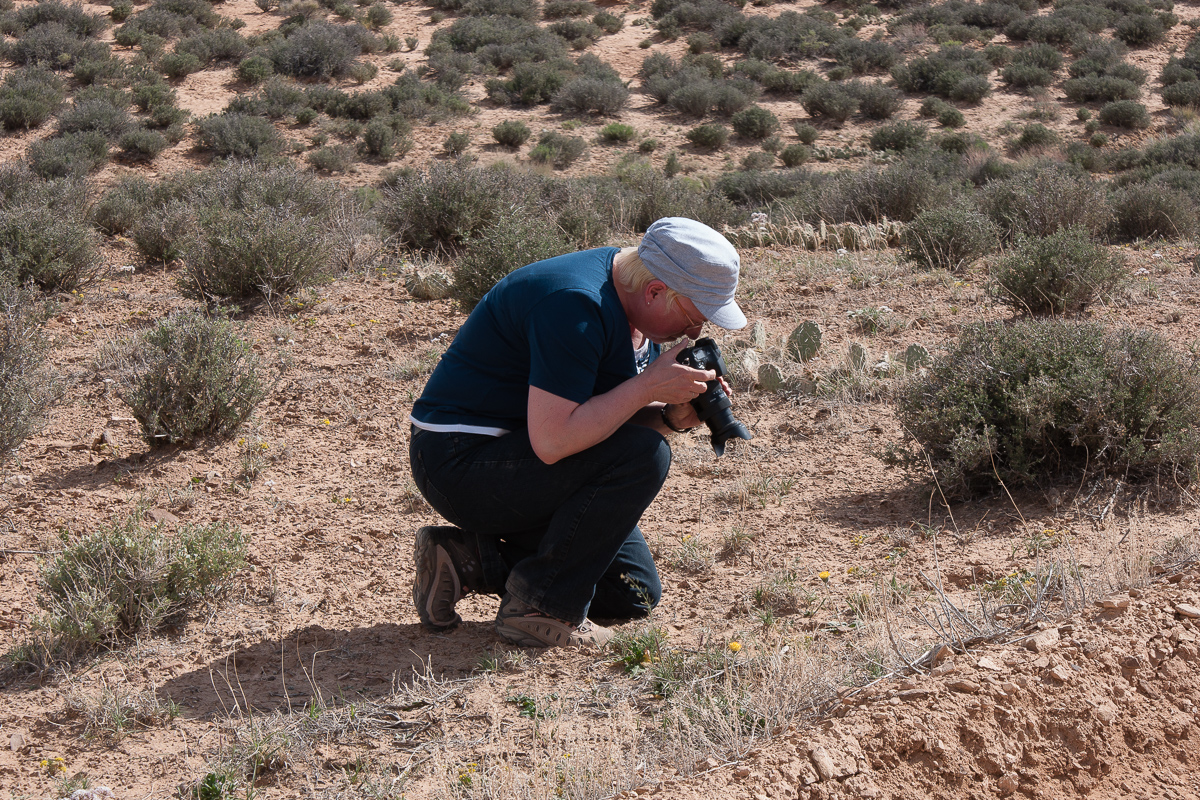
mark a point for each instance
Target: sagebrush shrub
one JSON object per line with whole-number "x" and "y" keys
{"x": 331, "y": 158}
{"x": 617, "y": 132}
{"x": 794, "y": 155}
{"x": 73, "y": 155}
{"x": 1062, "y": 273}
{"x": 557, "y": 149}
{"x": 28, "y": 97}
{"x": 255, "y": 70}
{"x": 949, "y": 237}
{"x": 1148, "y": 211}
{"x": 128, "y": 578}
{"x": 52, "y": 247}
{"x": 1042, "y": 202}
{"x": 1040, "y": 400}
{"x": 447, "y": 204}
{"x": 98, "y": 114}
{"x": 1100, "y": 88}
{"x": 755, "y": 122}
{"x": 710, "y": 136}
{"x": 315, "y": 50}
{"x": 806, "y": 133}
{"x": 830, "y": 101}
{"x": 237, "y": 135}
{"x": 587, "y": 95}
{"x": 515, "y": 238}
{"x": 255, "y": 252}
{"x": 511, "y": 133}
{"x": 1183, "y": 93}
{"x": 54, "y": 46}
{"x": 27, "y": 384}
{"x": 142, "y": 144}
{"x": 188, "y": 377}
{"x": 1032, "y": 136}
{"x": 877, "y": 101}
{"x": 1124, "y": 114}
{"x": 1139, "y": 30}
{"x": 898, "y": 136}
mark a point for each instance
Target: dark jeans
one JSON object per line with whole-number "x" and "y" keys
{"x": 561, "y": 537}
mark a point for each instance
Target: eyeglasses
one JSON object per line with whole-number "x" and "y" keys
{"x": 691, "y": 322}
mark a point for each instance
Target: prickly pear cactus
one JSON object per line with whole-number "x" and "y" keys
{"x": 915, "y": 356}
{"x": 758, "y": 335}
{"x": 427, "y": 285}
{"x": 750, "y": 362}
{"x": 857, "y": 357}
{"x": 770, "y": 378}
{"x": 805, "y": 341}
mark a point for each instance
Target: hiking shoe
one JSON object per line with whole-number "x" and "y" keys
{"x": 448, "y": 567}
{"x": 523, "y": 625}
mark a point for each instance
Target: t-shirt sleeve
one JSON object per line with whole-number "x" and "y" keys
{"x": 566, "y": 345}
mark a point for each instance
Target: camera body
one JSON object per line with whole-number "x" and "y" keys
{"x": 713, "y": 407}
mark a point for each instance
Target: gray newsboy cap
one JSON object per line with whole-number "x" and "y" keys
{"x": 697, "y": 262}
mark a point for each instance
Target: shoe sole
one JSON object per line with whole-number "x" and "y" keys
{"x": 434, "y": 562}
{"x": 533, "y": 632}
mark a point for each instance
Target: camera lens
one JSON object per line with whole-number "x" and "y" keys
{"x": 724, "y": 427}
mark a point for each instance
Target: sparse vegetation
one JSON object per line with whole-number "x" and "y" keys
{"x": 1040, "y": 400}
{"x": 1061, "y": 273}
{"x": 189, "y": 376}
{"x": 27, "y": 385}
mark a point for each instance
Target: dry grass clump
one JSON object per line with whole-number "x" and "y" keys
{"x": 124, "y": 579}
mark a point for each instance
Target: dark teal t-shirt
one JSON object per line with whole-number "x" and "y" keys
{"x": 556, "y": 324}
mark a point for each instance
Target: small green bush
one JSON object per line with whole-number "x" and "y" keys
{"x": 73, "y": 155}
{"x": 511, "y": 133}
{"x": 456, "y": 144}
{"x": 1100, "y": 88}
{"x": 1140, "y": 30}
{"x": 755, "y": 122}
{"x": 237, "y": 135}
{"x": 514, "y": 239}
{"x": 142, "y": 144}
{"x": 177, "y": 66}
{"x": 647, "y": 146}
{"x": 1124, "y": 114}
{"x": 1026, "y": 76}
{"x": 950, "y": 117}
{"x": 1042, "y": 400}
{"x": 97, "y": 114}
{"x": 711, "y": 136}
{"x": 758, "y": 160}
{"x": 877, "y": 101}
{"x": 794, "y": 155}
{"x": 27, "y": 385}
{"x": 1184, "y": 93}
{"x": 188, "y": 377}
{"x": 1047, "y": 200}
{"x": 1032, "y": 136}
{"x": 255, "y": 252}
{"x": 254, "y": 70}
{"x": 1064, "y": 272}
{"x": 589, "y": 95}
{"x": 318, "y": 50}
{"x": 829, "y": 101}
{"x": 608, "y": 22}
{"x": 331, "y": 158}
{"x": 1149, "y": 211}
{"x": 557, "y": 9}
{"x": 617, "y": 132}
{"x": 807, "y": 134}
{"x": 379, "y": 140}
{"x": 557, "y": 149}
{"x": 949, "y": 237}
{"x": 28, "y": 97}
{"x": 898, "y": 136}
{"x": 128, "y": 579}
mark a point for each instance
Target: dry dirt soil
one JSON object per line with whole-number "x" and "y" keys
{"x": 313, "y": 678}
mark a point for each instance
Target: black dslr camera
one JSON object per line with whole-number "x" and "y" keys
{"x": 713, "y": 406}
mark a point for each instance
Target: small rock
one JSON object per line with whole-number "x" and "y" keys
{"x": 1043, "y": 641}
{"x": 17, "y": 742}
{"x": 1187, "y": 610}
{"x": 939, "y": 653}
{"x": 1060, "y": 674}
{"x": 989, "y": 663}
{"x": 706, "y": 764}
{"x": 963, "y": 685}
{"x": 824, "y": 763}
{"x": 1113, "y": 602}
{"x": 1007, "y": 784}
{"x": 160, "y": 516}
{"x": 741, "y": 772}
{"x": 1010, "y": 688}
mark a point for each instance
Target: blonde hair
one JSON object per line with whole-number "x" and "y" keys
{"x": 633, "y": 275}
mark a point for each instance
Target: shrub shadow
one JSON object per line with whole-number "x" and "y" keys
{"x": 326, "y": 667}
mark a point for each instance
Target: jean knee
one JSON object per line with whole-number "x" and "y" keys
{"x": 650, "y": 452}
